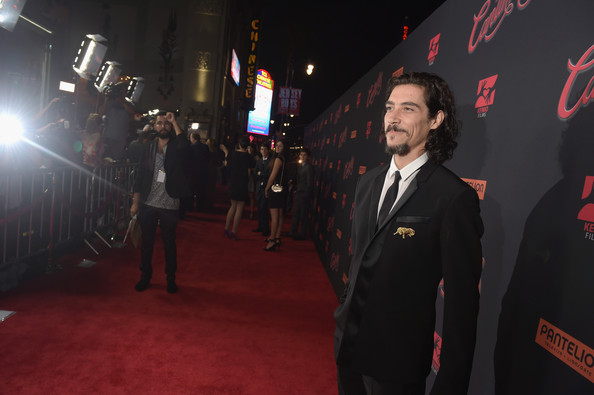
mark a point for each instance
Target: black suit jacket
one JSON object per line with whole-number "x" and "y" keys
{"x": 262, "y": 173}
{"x": 385, "y": 322}
{"x": 176, "y": 184}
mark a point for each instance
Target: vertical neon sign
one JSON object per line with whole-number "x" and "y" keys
{"x": 259, "y": 118}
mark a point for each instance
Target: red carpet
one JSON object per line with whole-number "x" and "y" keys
{"x": 244, "y": 321}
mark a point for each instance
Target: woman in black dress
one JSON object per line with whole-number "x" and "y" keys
{"x": 239, "y": 166}
{"x": 277, "y": 200}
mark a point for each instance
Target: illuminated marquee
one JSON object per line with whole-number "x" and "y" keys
{"x": 259, "y": 118}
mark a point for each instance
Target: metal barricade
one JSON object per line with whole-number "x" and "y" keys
{"x": 45, "y": 210}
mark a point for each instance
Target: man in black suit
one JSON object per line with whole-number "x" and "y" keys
{"x": 429, "y": 229}
{"x": 159, "y": 185}
{"x": 199, "y": 159}
{"x": 303, "y": 197}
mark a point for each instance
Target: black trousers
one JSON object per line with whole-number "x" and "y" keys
{"x": 300, "y": 219}
{"x": 149, "y": 217}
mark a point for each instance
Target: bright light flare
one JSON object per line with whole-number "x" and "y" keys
{"x": 11, "y": 129}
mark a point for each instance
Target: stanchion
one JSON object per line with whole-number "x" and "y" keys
{"x": 51, "y": 265}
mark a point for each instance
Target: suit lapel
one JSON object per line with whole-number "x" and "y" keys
{"x": 422, "y": 176}
{"x": 376, "y": 191}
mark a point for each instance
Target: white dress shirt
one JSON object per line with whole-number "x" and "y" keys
{"x": 407, "y": 174}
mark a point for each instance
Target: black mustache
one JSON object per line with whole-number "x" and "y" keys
{"x": 394, "y": 128}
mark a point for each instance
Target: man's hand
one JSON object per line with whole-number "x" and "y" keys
{"x": 169, "y": 117}
{"x": 134, "y": 209}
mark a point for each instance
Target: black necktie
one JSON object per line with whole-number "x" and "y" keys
{"x": 389, "y": 199}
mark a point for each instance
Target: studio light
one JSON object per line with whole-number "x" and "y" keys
{"x": 10, "y": 10}
{"x": 135, "y": 89}
{"x": 90, "y": 56}
{"x": 310, "y": 69}
{"x": 108, "y": 74}
{"x": 11, "y": 130}
{"x": 67, "y": 87}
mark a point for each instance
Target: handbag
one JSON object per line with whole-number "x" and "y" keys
{"x": 278, "y": 188}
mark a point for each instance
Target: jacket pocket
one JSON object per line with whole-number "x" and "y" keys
{"x": 413, "y": 219}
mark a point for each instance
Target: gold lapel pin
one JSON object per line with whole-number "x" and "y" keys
{"x": 405, "y": 232}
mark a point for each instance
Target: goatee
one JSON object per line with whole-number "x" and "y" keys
{"x": 400, "y": 149}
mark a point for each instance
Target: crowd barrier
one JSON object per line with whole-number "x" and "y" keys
{"x": 46, "y": 209}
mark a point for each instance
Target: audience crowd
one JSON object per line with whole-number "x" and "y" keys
{"x": 252, "y": 172}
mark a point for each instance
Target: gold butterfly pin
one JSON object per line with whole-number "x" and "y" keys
{"x": 405, "y": 232}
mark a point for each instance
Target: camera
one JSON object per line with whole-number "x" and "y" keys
{"x": 113, "y": 91}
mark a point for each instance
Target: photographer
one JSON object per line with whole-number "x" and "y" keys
{"x": 158, "y": 188}
{"x": 117, "y": 114}
{"x": 57, "y": 134}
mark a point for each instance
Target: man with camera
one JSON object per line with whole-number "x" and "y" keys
{"x": 159, "y": 185}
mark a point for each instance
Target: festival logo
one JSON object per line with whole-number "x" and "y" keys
{"x": 436, "y": 352}
{"x": 488, "y": 21}
{"x": 398, "y": 72}
{"x": 586, "y": 213}
{"x": 567, "y": 348}
{"x": 334, "y": 261}
{"x": 374, "y": 90}
{"x": 348, "y": 168}
{"x": 486, "y": 95}
{"x": 575, "y": 70}
{"x": 433, "y": 49}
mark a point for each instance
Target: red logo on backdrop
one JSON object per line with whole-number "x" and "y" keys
{"x": 486, "y": 95}
{"x": 478, "y": 185}
{"x": 337, "y": 116}
{"x": 334, "y": 261}
{"x": 587, "y": 212}
{"x": 342, "y": 138}
{"x": 571, "y": 351}
{"x": 398, "y": 72}
{"x": 436, "y": 352}
{"x": 368, "y": 129}
{"x": 374, "y": 90}
{"x": 433, "y": 49}
{"x": 575, "y": 70}
{"x": 486, "y": 24}
{"x": 348, "y": 168}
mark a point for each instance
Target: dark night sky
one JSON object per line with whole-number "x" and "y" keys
{"x": 344, "y": 40}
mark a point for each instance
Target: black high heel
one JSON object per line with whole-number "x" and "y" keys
{"x": 272, "y": 247}
{"x": 277, "y": 242}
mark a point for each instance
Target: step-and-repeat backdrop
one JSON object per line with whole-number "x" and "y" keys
{"x": 522, "y": 72}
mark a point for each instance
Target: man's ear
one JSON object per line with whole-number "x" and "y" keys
{"x": 437, "y": 120}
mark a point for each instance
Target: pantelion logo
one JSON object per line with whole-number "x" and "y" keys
{"x": 486, "y": 95}
{"x": 567, "y": 348}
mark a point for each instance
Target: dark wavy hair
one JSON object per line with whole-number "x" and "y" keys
{"x": 441, "y": 142}
{"x": 283, "y": 155}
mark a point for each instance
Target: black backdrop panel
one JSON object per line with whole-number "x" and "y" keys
{"x": 527, "y": 146}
